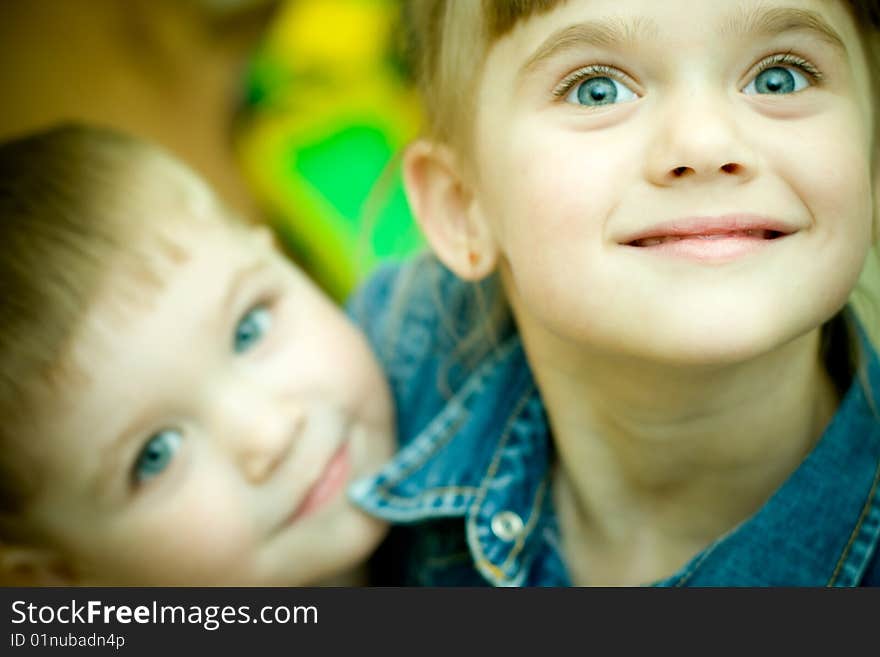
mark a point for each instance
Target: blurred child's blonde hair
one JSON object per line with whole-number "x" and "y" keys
{"x": 74, "y": 201}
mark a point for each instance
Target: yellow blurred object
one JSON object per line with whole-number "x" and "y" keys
{"x": 338, "y": 33}
{"x": 329, "y": 105}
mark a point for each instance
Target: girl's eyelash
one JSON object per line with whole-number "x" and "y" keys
{"x": 790, "y": 59}
{"x": 585, "y": 73}
{"x": 601, "y": 70}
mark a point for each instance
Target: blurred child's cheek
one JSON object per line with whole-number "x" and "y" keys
{"x": 203, "y": 537}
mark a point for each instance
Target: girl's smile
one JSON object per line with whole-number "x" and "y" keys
{"x": 711, "y": 239}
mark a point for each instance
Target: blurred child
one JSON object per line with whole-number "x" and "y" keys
{"x": 182, "y": 405}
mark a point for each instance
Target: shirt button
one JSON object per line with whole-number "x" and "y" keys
{"x": 506, "y": 525}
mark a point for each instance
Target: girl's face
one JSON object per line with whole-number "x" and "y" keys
{"x": 683, "y": 181}
{"x": 221, "y": 416}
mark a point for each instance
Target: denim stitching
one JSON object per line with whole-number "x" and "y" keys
{"x": 482, "y": 561}
{"x": 440, "y": 436}
{"x": 445, "y": 427}
{"x": 530, "y": 525}
{"x": 691, "y": 568}
{"x": 866, "y": 509}
{"x": 445, "y": 491}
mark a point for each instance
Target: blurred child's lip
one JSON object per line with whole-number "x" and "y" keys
{"x": 329, "y": 484}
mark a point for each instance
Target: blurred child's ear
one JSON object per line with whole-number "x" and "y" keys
{"x": 447, "y": 211}
{"x": 32, "y": 566}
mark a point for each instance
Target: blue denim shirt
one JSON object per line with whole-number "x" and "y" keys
{"x": 470, "y": 486}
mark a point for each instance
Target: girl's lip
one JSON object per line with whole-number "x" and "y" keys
{"x": 734, "y": 225}
{"x": 709, "y": 249}
{"x": 331, "y": 482}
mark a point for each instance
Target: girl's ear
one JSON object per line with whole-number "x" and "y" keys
{"x": 31, "y": 566}
{"x": 447, "y": 211}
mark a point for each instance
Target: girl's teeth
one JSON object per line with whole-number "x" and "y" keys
{"x": 654, "y": 241}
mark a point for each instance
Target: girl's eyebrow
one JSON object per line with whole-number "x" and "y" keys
{"x": 602, "y": 32}
{"x": 769, "y": 21}
{"x": 761, "y": 21}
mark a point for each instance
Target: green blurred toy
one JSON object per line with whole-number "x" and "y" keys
{"x": 328, "y": 107}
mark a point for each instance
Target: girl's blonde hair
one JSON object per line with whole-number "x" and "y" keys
{"x": 447, "y": 42}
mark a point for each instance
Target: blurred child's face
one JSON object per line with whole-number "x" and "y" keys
{"x": 225, "y": 410}
{"x": 679, "y": 180}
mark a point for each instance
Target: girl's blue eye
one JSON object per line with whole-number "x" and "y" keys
{"x": 777, "y": 80}
{"x": 251, "y": 328}
{"x": 157, "y": 454}
{"x": 598, "y": 91}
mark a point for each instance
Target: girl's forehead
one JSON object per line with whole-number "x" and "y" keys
{"x": 629, "y": 21}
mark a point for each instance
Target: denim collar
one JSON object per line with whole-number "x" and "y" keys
{"x": 496, "y": 424}
{"x": 489, "y": 451}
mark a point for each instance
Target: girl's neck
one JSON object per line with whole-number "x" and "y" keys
{"x": 657, "y": 461}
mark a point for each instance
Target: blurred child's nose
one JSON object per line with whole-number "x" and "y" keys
{"x": 257, "y": 430}
{"x": 697, "y": 137}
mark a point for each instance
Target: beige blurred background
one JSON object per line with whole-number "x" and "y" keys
{"x": 167, "y": 70}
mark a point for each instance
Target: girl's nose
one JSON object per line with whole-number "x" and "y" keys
{"x": 698, "y": 139}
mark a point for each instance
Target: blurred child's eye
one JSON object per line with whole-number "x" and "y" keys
{"x": 251, "y": 328}
{"x": 157, "y": 454}
{"x": 777, "y": 80}
{"x": 595, "y": 86}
